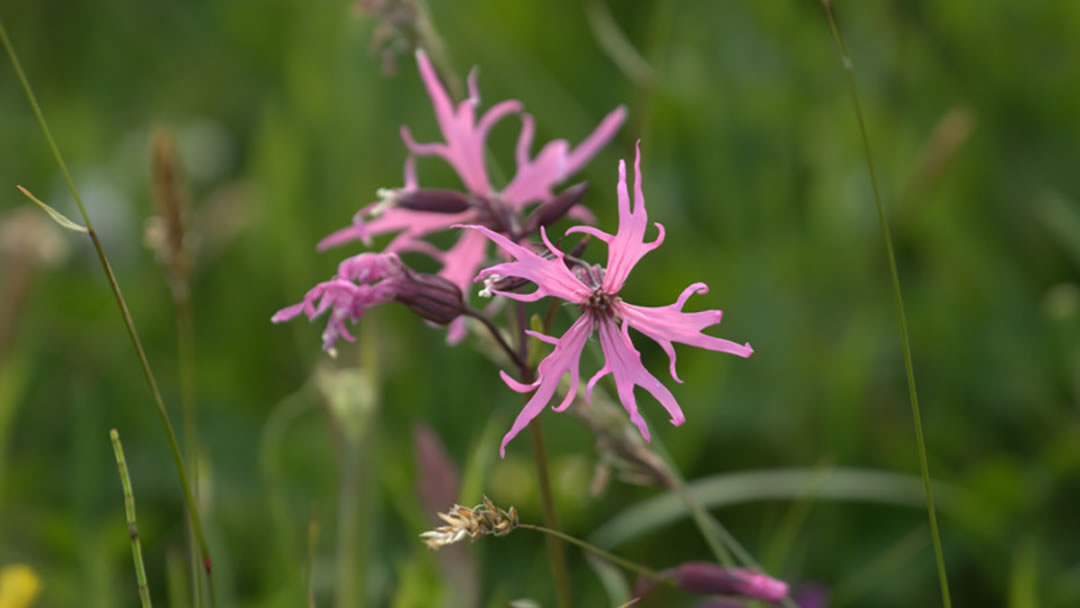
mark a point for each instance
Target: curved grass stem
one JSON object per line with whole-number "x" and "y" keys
{"x": 635, "y": 567}
{"x": 129, "y": 324}
{"x": 900, "y": 317}
{"x": 129, "y": 515}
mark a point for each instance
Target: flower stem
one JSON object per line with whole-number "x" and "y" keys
{"x": 129, "y": 514}
{"x": 124, "y": 312}
{"x": 497, "y": 335}
{"x": 900, "y": 317}
{"x": 615, "y": 559}
{"x": 547, "y": 502}
{"x": 547, "y": 497}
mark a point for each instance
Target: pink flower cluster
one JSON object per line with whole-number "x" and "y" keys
{"x": 510, "y": 217}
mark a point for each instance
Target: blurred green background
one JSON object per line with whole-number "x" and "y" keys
{"x": 286, "y": 124}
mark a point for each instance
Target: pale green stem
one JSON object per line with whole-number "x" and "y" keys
{"x": 313, "y": 544}
{"x": 185, "y": 347}
{"x": 900, "y": 317}
{"x": 124, "y": 312}
{"x": 615, "y": 559}
{"x": 129, "y": 514}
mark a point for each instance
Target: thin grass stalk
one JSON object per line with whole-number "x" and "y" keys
{"x": 635, "y": 567}
{"x": 897, "y": 295}
{"x": 124, "y": 312}
{"x": 185, "y": 350}
{"x": 129, "y": 514}
{"x": 309, "y": 567}
{"x": 172, "y": 205}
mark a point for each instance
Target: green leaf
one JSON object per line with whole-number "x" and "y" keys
{"x": 862, "y": 485}
{"x": 57, "y": 217}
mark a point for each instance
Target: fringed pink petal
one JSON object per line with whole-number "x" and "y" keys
{"x": 496, "y": 113}
{"x": 556, "y": 161}
{"x": 345, "y": 300}
{"x": 440, "y": 100}
{"x": 628, "y": 245}
{"x": 566, "y": 357}
{"x": 524, "y": 142}
{"x": 342, "y": 236}
{"x": 287, "y": 313}
{"x": 624, "y": 362}
{"x": 534, "y": 179}
{"x": 593, "y": 231}
{"x": 463, "y": 260}
{"x": 667, "y": 324}
{"x": 464, "y": 139}
{"x": 517, "y": 387}
{"x": 551, "y": 277}
{"x": 581, "y": 214}
{"x": 596, "y": 140}
{"x": 456, "y": 331}
{"x": 542, "y": 337}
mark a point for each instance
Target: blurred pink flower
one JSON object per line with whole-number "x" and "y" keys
{"x": 412, "y": 213}
{"x": 367, "y": 280}
{"x": 709, "y": 578}
{"x": 596, "y": 292}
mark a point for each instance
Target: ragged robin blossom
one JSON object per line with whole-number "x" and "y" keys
{"x": 595, "y": 291}
{"x": 412, "y": 213}
{"x": 367, "y": 280}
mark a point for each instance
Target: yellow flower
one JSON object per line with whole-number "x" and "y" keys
{"x": 19, "y": 585}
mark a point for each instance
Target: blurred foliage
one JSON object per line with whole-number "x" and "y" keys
{"x": 286, "y": 125}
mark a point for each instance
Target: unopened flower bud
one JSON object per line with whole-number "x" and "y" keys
{"x": 553, "y": 210}
{"x": 709, "y": 578}
{"x": 432, "y": 297}
{"x": 432, "y": 201}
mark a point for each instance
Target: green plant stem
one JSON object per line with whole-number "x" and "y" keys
{"x": 185, "y": 347}
{"x": 497, "y": 335}
{"x": 547, "y": 502}
{"x": 547, "y": 498}
{"x": 312, "y": 547}
{"x": 900, "y": 317}
{"x": 124, "y": 312}
{"x": 615, "y": 559}
{"x": 129, "y": 514}
{"x": 348, "y": 585}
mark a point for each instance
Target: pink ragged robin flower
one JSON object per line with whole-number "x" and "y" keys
{"x": 370, "y": 279}
{"x": 595, "y": 290}
{"x": 412, "y": 213}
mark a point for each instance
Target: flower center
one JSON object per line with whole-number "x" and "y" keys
{"x": 599, "y": 302}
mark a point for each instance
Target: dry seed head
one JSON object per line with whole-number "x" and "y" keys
{"x": 461, "y": 522}
{"x": 168, "y": 232}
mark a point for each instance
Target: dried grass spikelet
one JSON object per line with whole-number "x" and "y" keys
{"x": 461, "y": 522}
{"x": 167, "y": 232}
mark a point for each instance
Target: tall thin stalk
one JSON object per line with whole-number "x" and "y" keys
{"x": 173, "y": 206}
{"x": 129, "y": 514}
{"x": 900, "y": 317}
{"x": 547, "y": 502}
{"x": 124, "y": 313}
{"x": 543, "y": 477}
